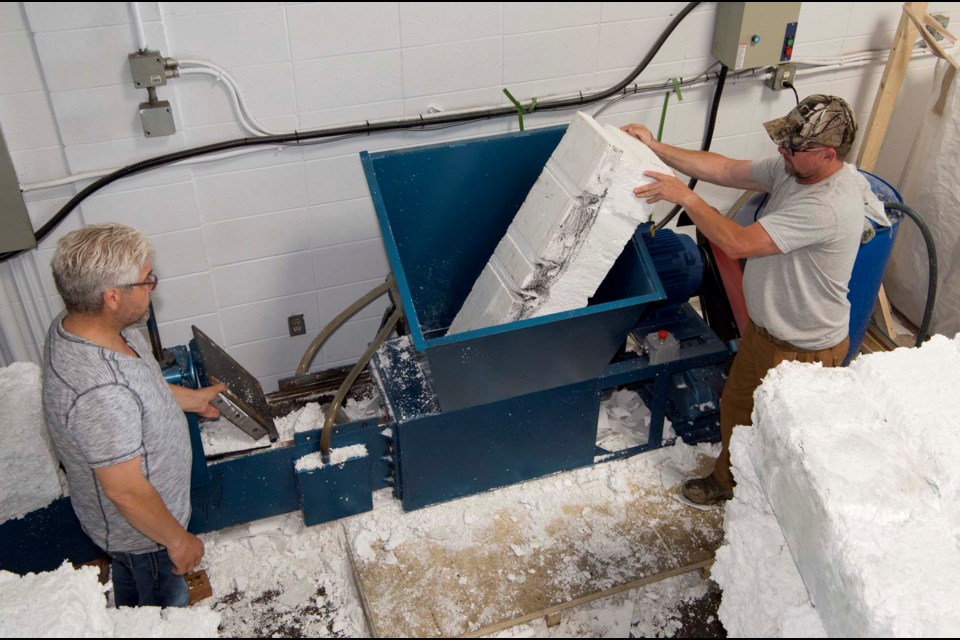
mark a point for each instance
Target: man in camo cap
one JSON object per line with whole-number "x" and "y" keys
{"x": 818, "y": 121}
{"x": 799, "y": 253}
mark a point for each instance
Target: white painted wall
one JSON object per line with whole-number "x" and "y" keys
{"x": 243, "y": 243}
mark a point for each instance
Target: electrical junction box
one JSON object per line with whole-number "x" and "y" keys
{"x": 755, "y": 34}
{"x": 157, "y": 119}
{"x": 148, "y": 69}
{"x": 16, "y": 232}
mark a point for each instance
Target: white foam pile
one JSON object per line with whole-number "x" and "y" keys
{"x": 221, "y": 436}
{"x": 570, "y": 230}
{"x": 70, "y": 603}
{"x": 30, "y": 479}
{"x": 338, "y": 456}
{"x": 856, "y": 469}
{"x": 624, "y": 421}
{"x": 276, "y": 577}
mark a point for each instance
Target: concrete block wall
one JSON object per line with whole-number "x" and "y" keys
{"x": 245, "y": 242}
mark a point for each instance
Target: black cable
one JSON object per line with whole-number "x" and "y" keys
{"x": 298, "y": 137}
{"x": 794, "y": 89}
{"x": 931, "y": 262}
{"x": 707, "y": 141}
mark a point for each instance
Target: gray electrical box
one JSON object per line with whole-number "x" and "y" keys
{"x": 16, "y": 232}
{"x": 755, "y": 34}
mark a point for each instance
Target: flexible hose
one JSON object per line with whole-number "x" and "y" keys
{"x": 707, "y": 139}
{"x": 342, "y": 317}
{"x": 327, "y": 432}
{"x": 368, "y": 127}
{"x": 931, "y": 261}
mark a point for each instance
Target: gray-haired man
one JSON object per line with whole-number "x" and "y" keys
{"x": 116, "y": 425}
{"x": 800, "y": 253}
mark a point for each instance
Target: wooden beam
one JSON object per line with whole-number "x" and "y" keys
{"x": 890, "y": 83}
{"x": 576, "y": 602}
{"x": 883, "y": 105}
{"x": 882, "y": 315}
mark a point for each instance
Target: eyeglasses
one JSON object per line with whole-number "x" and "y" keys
{"x": 792, "y": 151}
{"x": 150, "y": 283}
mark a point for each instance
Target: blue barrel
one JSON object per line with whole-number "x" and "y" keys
{"x": 869, "y": 267}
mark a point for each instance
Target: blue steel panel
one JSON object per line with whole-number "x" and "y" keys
{"x": 369, "y": 434}
{"x": 336, "y": 491}
{"x": 43, "y": 539}
{"x": 521, "y": 362}
{"x": 442, "y": 210}
{"x": 459, "y": 453}
{"x": 248, "y": 488}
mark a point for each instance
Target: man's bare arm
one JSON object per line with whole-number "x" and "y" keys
{"x": 702, "y": 165}
{"x": 141, "y": 506}
{"x": 734, "y": 240}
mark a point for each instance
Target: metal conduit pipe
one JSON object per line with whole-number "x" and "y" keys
{"x": 299, "y": 137}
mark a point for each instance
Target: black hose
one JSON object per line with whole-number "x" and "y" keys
{"x": 367, "y": 128}
{"x": 932, "y": 262}
{"x": 707, "y": 141}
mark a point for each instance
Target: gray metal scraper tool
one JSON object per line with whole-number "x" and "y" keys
{"x": 244, "y": 403}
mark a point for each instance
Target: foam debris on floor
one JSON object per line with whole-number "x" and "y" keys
{"x": 467, "y": 565}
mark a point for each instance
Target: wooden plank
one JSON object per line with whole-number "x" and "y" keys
{"x": 890, "y": 83}
{"x": 883, "y": 106}
{"x": 364, "y": 604}
{"x": 199, "y": 585}
{"x": 939, "y": 28}
{"x": 556, "y": 609}
{"x": 882, "y": 314}
{"x": 524, "y": 557}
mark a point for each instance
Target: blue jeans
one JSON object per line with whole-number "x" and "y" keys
{"x": 147, "y": 579}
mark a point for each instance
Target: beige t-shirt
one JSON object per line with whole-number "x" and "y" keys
{"x": 800, "y": 295}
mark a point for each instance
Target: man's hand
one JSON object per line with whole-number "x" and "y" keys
{"x": 639, "y": 132}
{"x": 139, "y": 503}
{"x": 186, "y": 553}
{"x": 198, "y": 400}
{"x": 665, "y": 187}
{"x": 203, "y": 399}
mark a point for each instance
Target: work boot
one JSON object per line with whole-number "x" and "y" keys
{"x": 705, "y": 491}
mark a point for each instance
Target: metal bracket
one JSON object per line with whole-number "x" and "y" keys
{"x": 232, "y": 408}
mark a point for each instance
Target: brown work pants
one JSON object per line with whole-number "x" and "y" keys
{"x": 759, "y": 352}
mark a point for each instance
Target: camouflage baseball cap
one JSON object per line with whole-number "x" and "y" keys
{"x": 818, "y": 121}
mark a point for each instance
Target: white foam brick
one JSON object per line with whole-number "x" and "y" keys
{"x": 571, "y": 228}
{"x": 26, "y": 456}
{"x": 859, "y": 466}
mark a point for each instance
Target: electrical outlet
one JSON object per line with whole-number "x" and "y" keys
{"x": 784, "y": 73}
{"x": 297, "y": 326}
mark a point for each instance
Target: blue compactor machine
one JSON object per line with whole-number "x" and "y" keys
{"x": 463, "y": 413}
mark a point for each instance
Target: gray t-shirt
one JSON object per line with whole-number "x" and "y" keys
{"x": 104, "y": 408}
{"x": 800, "y": 295}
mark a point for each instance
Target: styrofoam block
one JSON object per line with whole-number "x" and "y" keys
{"x": 568, "y": 233}
{"x": 859, "y": 465}
{"x": 29, "y": 465}
{"x": 494, "y": 299}
{"x": 546, "y": 207}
